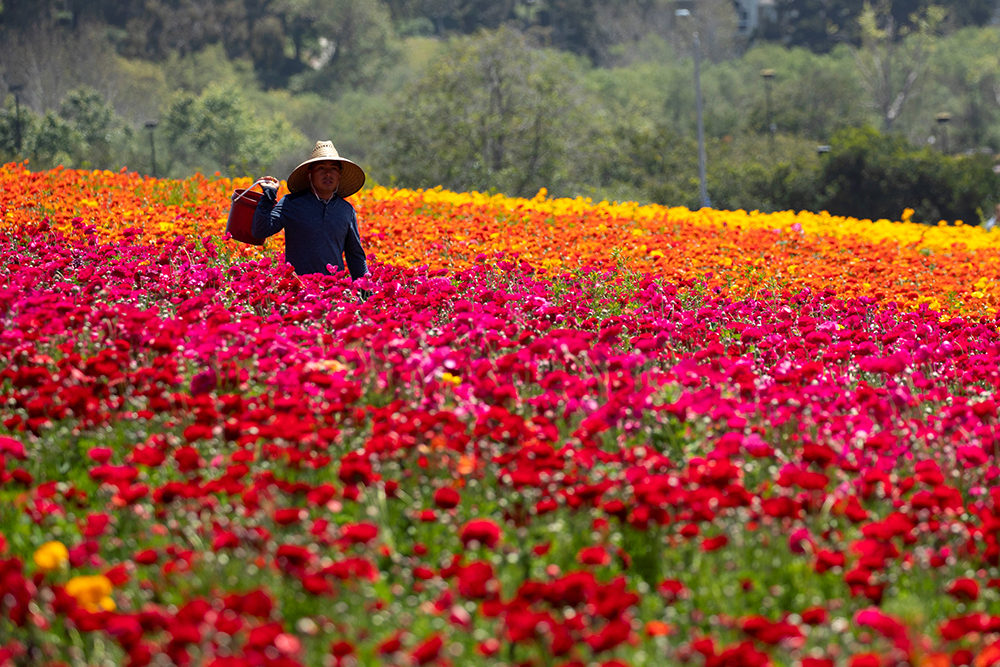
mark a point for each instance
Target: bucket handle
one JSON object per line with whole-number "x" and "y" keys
{"x": 243, "y": 194}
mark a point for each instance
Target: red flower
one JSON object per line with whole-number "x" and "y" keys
{"x": 358, "y": 533}
{"x": 482, "y": 531}
{"x": 446, "y": 498}
{"x": 672, "y": 590}
{"x": 96, "y": 525}
{"x": 885, "y": 625}
{"x": 146, "y": 557}
{"x": 817, "y": 662}
{"x": 866, "y": 660}
{"x": 100, "y": 454}
{"x": 187, "y": 458}
{"x": 714, "y": 543}
{"x": 428, "y": 651}
{"x": 474, "y": 580}
{"x": 826, "y": 559}
{"x": 341, "y": 648}
{"x": 392, "y": 644}
{"x": 596, "y": 555}
{"x": 962, "y": 657}
{"x": 286, "y": 516}
{"x": 964, "y": 589}
{"x": 610, "y": 636}
{"x": 814, "y": 616}
{"x": 12, "y": 447}
{"x": 769, "y": 632}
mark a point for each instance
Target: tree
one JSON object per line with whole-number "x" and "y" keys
{"x": 889, "y": 64}
{"x": 53, "y": 143}
{"x": 874, "y": 175}
{"x": 963, "y": 79}
{"x": 491, "y": 113}
{"x": 218, "y": 131}
{"x": 50, "y": 61}
{"x": 343, "y": 43}
{"x": 11, "y": 126}
{"x": 818, "y": 25}
{"x": 186, "y": 26}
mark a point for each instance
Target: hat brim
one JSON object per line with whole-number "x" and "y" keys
{"x": 352, "y": 177}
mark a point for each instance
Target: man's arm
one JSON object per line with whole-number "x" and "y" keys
{"x": 353, "y": 252}
{"x": 267, "y": 220}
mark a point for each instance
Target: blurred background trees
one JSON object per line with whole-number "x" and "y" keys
{"x": 581, "y": 97}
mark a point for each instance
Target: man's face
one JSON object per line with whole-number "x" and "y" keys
{"x": 325, "y": 177}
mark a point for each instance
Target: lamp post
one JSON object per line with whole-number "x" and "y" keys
{"x": 768, "y": 76}
{"x": 942, "y": 120}
{"x": 151, "y": 126}
{"x": 17, "y": 88}
{"x": 702, "y": 180}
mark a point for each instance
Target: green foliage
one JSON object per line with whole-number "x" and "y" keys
{"x": 345, "y": 43}
{"x": 655, "y": 163}
{"x": 865, "y": 175}
{"x": 102, "y": 135}
{"x": 52, "y": 141}
{"x": 820, "y": 25}
{"x": 878, "y": 176}
{"x": 962, "y": 78}
{"x": 490, "y": 113}
{"x": 84, "y": 133}
{"x": 749, "y": 173}
{"x": 217, "y": 131}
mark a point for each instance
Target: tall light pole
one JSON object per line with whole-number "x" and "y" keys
{"x": 151, "y": 126}
{"x": 768, "y": 76}
{"x": 942, "y": 120}
{"x": 705, "y": 203}
{"x": 17, "y": 88}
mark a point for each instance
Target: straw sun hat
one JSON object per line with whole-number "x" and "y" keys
{"x": 352, "y": 177}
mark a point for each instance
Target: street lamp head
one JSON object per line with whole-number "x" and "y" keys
{"x": 150, "y": 124}
{"x": 682, "y": 12}
{"x": 768, "y": 74}
{"x": 943, "y": 117}
{"x": 822, "y": 149}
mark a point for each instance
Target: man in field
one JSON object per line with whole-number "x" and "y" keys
{"x": 321, "y": 227}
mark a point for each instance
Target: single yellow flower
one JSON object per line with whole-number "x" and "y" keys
{"x": 93, "y": 593}
{"x": 51, "y": 556}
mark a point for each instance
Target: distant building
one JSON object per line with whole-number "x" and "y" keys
{"x": 750, "y": 12}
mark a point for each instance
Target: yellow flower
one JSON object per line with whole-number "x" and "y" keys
{"x": 51, "y": 556}
{"x": 92, "y": 592}
{"x": 453, "y": 379}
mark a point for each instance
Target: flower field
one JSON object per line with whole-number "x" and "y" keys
{"x": 559, "y": 434}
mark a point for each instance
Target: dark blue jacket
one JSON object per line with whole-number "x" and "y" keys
{"x": 317, "y": 233}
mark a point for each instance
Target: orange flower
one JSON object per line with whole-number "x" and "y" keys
{"x": 989, "y": 656}
{"x": 950, "y": 269}
{"x": 658, "y": 629}
{"x": 93, "y": 593}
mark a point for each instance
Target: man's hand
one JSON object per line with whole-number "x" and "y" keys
{"x": 270, "y": 182}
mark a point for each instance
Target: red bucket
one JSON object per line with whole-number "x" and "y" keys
{"x": 241, "y": 216}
